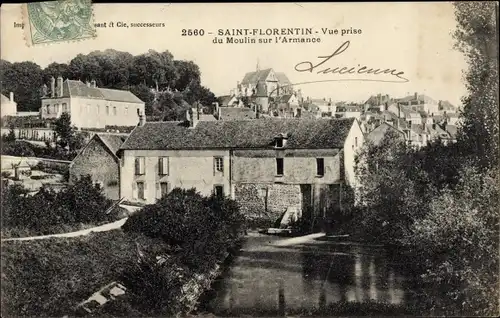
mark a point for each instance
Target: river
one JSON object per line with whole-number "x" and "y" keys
{"x": 272, "y": 278}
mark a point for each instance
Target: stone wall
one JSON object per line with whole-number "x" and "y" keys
{"x": 267, "y": 200}
{"x": 98, "y": 162}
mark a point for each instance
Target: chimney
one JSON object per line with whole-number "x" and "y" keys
{"x": 60, "y": 85}
{"x": 416, "y": 95}
{"x": 93, "y": 84}
{"x": 142, "y": 120}
{"x": 11, "y": 96}
{"x": 379, "y": 99}
{"x": 399, "y": 110}
{"x": 194, "y": 118}
{"x": 52, "y": 87}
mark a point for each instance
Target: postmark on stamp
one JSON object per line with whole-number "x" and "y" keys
{"x": 58, "y": 21}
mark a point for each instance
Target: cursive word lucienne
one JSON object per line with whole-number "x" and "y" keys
{"x": 307, "y": 66}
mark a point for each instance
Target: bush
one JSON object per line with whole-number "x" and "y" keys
{"x": 458, "y": 239}
{"x": 201, "y": 228}
{"x": 17, "y": 148}
{"x": 46, "y": 210}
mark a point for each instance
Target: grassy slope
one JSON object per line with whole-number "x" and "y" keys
{"x": 49, "y": 277}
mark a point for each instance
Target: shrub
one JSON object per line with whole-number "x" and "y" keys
{"x": 81, "y": 202}
{"x": 458, "y": 239}
{"x": 201, "y": 228}
{"x": 18, "y": 148}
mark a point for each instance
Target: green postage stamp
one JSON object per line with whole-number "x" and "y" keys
{"x": 58, "y": 21}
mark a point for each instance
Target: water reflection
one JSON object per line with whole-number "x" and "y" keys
{"x": 266, "y": 278}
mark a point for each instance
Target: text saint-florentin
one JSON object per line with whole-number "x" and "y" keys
{"x": 268, "y": 31}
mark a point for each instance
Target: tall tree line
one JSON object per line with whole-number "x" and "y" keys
{"x": 110, "y": 69}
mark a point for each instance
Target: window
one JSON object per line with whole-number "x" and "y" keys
{"x": 48, "y": 109}
{"x": 163, "y": 166}
{"x": 140, "y": 190}
{"x": 356, "y": 141}
{"x": 279, "y": 142}
{"x": 114, "y": 111}
{"x": 279, "y": 166}
{"x": 126, "y": 110}
{"x": 98, "y": 184}
{"x": 107, "y": 110}
{"x": 219, "y": 191}
{"x": 139, "y": 165}
{"x": 320, "y": 166}
{"x": 219, "y": 164}
{"x": 56, "y": 108}
{"x": 65, "y": 108}
{"x": 163, "y": 189}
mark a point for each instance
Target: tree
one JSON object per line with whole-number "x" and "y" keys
{"x": 64, "y": 130}
{"x": 477, "y": 37}
{"x": 146, "y": 95}
{"x": 188, "y": 71}
{"x": 55, "y": 70}
{"x": 11, "y": 135}
{"x": 24, "y": 79}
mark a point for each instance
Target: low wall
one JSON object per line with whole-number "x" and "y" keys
{"x": 7, "y": 162}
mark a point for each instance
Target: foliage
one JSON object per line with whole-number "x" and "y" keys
{"x": 45, "y": 211}
{"x": 17, "y": 148}
{"x": 477, "y": 37}
{"x": 460, "y": 236}
{"x": 64, "y": 130}
{"x": 24, "y": 79}
{"x": 11, "y": 136}
{"x": 201, "y": 228}
{"x": 110, "y": 69}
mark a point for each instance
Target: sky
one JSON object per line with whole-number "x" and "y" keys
{"x": 414, "y": 38}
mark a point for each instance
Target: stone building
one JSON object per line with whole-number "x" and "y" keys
{"x": 9, "y": 106}
{"x": 89, "y": 105}
{"x": 267, "y": 165}
{"x": 99, "y": 160}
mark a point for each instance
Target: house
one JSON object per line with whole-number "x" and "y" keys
{"x": 410, "y": 115}
{"x": 349, "y": 111}
{"x": 418, "y": 102}
{"x": 90, "y": 106}
{"x": 287, "y": 106}
{"x": 378, "y": 100}
{"x": 377, "y": 135}
{"x": 446, "y": 106}
{"x": 268, "y": 165}
{"x": 229, "y": 101}
{"x": 275, "y": 83}
{"x": 99, "y": 160}
{"x": 9, "y": 106}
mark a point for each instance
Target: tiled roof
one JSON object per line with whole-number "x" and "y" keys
{"x": 242, "y": 134}
{"x": 285, "y": 98}
{"x": 254, "y": 77}
{"x": 236, "y": 113}
{"x": 452, "y": 130}
{"x": 5, "y": 99}
{"x": 377, "y": 134}
{"x": 283, "y": 79}
{"x": 113, "y": 142}
{"x": 72, "y": 88}
{"x": 422, "y": 98}
{"x": 446, "y": 105}
{"x": 224, "y": 100}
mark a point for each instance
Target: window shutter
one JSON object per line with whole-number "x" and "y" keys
{"x": 160, "y": 166}
{"x": 215, "y": 165}
{"x": 158, "y": 191}
{"x": 167, "y": 165}
{"x": 137, "y": 171}
{"x": 134, "y": 190}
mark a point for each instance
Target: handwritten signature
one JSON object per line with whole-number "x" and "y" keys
{"x": 308, "y": 66}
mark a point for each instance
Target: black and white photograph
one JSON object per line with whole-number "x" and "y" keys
{"x": 249, "y": 159}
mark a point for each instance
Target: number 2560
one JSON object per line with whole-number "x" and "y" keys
{"x": 193, "y": 32}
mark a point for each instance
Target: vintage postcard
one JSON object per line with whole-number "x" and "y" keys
{"x": 249, "y": 159}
